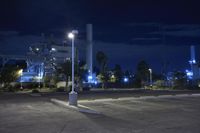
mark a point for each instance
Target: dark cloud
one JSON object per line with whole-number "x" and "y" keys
{"x": 179, "y": 30}
{"x": 184, "y": 33}
{"x": 146, "y": 39}
{"x": 17, "y": 44}
{"x": 181, "y": 27}
{"x": 9, "y": 33}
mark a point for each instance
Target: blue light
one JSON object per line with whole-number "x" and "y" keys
{"x": 89, "y": 77}
{"x": 92, "y": 79}
{"x": 189, "y": 74}
{"x": 192, "y": 61}
{"x": 125, "y": 80}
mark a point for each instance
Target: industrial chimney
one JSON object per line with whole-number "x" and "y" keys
{"x": 192, "y": 49}
{"x": 89, "y": 48}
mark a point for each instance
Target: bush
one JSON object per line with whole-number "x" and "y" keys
{"x": 86, "y": 88}
{"x": 61, "y": 89}
{"x": 35, "y": 91}
{"x": 9, "y": 88}
{"x": 159, "y": 84}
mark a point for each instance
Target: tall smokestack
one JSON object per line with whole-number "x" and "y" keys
{"x": 192, "y": 48}
{"x": 89, "y": 48}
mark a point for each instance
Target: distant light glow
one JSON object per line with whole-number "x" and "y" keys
{"x": 189, "y": 74}
{"x": 92, "y": 79}
{"x": 37, "y": 49}
{"x": 53, "y": 49}
{"x": 89, "y": 77}
{"x": 95, "y": 82}
{"x": 113, "y": 76}
{"x": 125, "y": 79}
{"x": 20, "y": 72}
{"x": 192, "y": 61}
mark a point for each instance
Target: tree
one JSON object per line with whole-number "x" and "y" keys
{"x": 102, "y": 60}
{"x": 66, "y": 69}
{"x": 142, "y": 73}
{"x": 118, "y": 73}
{"x": 9, "y": 74}
{"x": 103, "y": 77}
{"x": 179, "y": 80}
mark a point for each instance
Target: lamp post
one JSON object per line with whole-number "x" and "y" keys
{"x": 73, "y": 95}
{"x": 21, "y": 73}
{"x": 39, "y": 76}
{"x": 150, "y": 76}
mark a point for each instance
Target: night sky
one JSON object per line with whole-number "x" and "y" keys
{"x": 127, "y": 31}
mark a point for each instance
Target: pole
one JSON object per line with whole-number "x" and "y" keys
{"x": 150, "y": 70}
{"x": 21, "y": 81}
{"x": 39, "y": 76}
{"x": 72, "y": 65}
{"x": 73, "y": 95}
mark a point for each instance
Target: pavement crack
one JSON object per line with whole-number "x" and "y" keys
{"x": 62, "y": 129}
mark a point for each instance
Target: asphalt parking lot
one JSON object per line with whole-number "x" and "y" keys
{"x": 166, "y": 114}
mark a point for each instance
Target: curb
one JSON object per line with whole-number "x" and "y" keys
{"x": 79, "y": 108}
{"x": 35, "y": 94}
{"x": 140, "y": 97}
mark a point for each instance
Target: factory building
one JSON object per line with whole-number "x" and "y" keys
{"x": 42, "y": 60}
{"x": 44, "y": 57}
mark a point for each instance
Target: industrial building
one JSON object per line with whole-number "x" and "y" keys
{"x": 193, "y": 75}
{"x": 44, "y": 57}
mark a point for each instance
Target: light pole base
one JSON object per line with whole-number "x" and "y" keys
{"x": 73, "y": 98}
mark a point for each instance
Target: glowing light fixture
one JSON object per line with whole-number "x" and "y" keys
{"x": 125, "y": 79}
{"x": 71, "y": 35}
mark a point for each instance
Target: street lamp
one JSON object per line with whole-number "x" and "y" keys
{"x": 150, "y": 76}
{"x": 39, "y": 76}
{"x": 20, "y": 72}
{"x": 73, "y": 95}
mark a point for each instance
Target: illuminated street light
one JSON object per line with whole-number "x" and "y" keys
{"x": 71, "y": 35}
{"x": 72, "y": 94}
{"x": 20, "y": 72}
{"x": 150, "y": 76}
{"x": 53, "y": 49}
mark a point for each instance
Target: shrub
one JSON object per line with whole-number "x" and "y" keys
{"x": 35, "y": 91}
{"x": 61, "y": 89}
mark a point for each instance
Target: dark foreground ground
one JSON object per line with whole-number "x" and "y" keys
{"x": 23, "y": 113}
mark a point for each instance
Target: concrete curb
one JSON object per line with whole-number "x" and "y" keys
{"x": 35, "y": 94}
{"x": 80, "y": 108}
{"x": 136, "y": 98}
